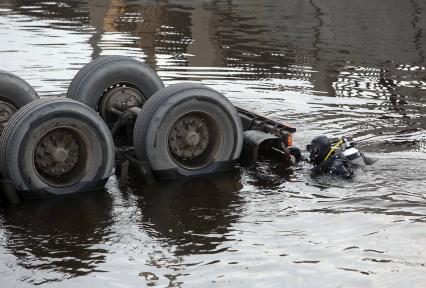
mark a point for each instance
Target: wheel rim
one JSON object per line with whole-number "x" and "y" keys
{"x": 194, "y": 140}
{"x": 62, "y": 156}
{"x": 119, "y": 97}
{"x": 6, "y": 111}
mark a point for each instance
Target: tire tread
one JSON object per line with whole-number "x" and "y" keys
{"x": 86, "y": 70}
{"x": 150, "y": 107}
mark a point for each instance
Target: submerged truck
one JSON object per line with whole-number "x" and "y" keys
{"x": 118, "y": 113}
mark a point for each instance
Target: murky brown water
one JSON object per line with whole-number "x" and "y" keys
{"x": 337, "y": 67}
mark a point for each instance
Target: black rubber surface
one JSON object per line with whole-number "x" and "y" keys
{"x": 28, "y": 125}
{"x": 95, "y": 78}
{"x": 164, "y": 108}
{"x": 15, "y": 90}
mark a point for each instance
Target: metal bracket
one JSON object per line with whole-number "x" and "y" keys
{"x": 260, "y": 144}
{"x": 125, "y": 156}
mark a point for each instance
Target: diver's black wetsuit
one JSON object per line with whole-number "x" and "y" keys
{"x": 326, "y": 161}
{"x": 336, "y": 165}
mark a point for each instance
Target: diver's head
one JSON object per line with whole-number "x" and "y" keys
{"x": 318, "y": 149}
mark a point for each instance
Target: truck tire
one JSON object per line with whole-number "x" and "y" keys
{"x": 109, "y": 81}
{"x": 188, "y": 130}
{"x": 14, "y": 94}
{"x": 54, "y": 147}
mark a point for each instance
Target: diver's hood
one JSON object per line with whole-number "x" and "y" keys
{"x": 318, "y": 149}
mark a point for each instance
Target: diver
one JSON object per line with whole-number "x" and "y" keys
{"x": 338, "y": 159}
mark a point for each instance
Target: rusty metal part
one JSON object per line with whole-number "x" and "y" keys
{"x": 124, "y": 119}
{"x": 6, "y": 111}
{"x": 189, "y": 137}
{"x": 119, "y": 98}
{"x": 254, "y": 121}
{"x": 57, "y": 152}
{"x": 135, "y": 110}
{"x": 256, "y": 145}
{"x": 143, "y": 168}
{"x": 194, "y": 140}
{"x": 61, "y": 156}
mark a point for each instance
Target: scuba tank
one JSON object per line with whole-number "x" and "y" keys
{"x": 353, "y": 154}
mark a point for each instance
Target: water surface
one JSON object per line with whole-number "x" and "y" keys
{"x": 336, "y": 67}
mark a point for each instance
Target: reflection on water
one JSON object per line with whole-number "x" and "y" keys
{"x": 193, "y": 214}
{"x": 59, "y": 235}
{"x": 337, "y": 67}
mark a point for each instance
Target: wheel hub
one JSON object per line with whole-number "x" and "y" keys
{"x": 189, "y": 137}
{"x": 119, "y": 97}
{"x": 192, "y": 138}
{"x": 57, "y": 152}
{"x": 60, "y": 155}
{"x": 6, "y": 111}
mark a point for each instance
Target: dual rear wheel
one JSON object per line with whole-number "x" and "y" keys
{"x": 180, "y": 130}
{"x": 56, "y": 146}
{"x": 61, "y": 146}
{"x": 50, "y": 146}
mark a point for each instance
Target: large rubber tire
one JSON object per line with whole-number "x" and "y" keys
{"x": 94, "y": 79}
{"x": 39, "y": 121}
{"x": 14, "y": 91}
{"x": 165, "y": 109}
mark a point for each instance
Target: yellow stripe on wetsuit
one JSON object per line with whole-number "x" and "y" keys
{"x": 334, "y": 148}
